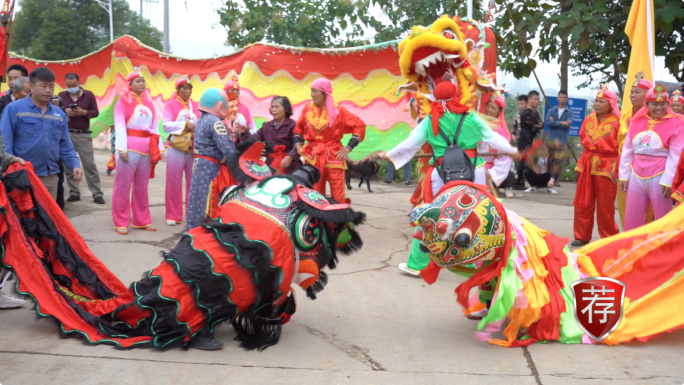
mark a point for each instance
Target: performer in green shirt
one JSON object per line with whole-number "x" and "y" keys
{"x": 445, "y": 115}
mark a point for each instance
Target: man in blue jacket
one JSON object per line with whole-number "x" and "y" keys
{"x": 559, "y": 120}
{"x": 36, "y": 130}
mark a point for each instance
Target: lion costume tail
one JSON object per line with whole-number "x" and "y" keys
{"x": 650, "y": 261}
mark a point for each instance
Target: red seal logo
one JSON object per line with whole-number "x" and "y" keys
{"x": 598, "y": 305}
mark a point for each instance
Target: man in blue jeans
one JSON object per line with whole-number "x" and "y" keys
{"x": 390, "y": 174}
{"x": 559, "y": 120}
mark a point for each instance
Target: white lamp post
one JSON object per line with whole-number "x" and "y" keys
{"x": 111, "y": 17}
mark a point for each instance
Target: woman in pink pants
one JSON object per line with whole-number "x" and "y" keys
{"x": 649, "y": 159}
{"x": 136, "y": 127}
{"x": 179, "y": 121}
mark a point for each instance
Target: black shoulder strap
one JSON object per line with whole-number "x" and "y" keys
{"x": 458, "y": 131}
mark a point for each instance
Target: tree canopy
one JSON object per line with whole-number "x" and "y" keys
{"x": 594, "y": 31}
{"x": 66, "y": 29}
{"x": 329, "y": 23}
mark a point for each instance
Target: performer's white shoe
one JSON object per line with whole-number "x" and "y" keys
{"x": 509, "y": 192}
{"x": 10, "y": 302}
{"x": 478, "y": 315}
{"x": 403, "y": 267}
{"x": 171, "y": 223}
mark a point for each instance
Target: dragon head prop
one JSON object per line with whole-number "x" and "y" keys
{"x": 428, "y": 53}
{"x": 462, "y": 225}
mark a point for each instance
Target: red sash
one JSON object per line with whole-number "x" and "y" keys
{"x": 222, "y": 180}
{"x": 155, "y": 154}
{"x": 277, "y": 157}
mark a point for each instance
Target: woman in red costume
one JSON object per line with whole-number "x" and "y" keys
{"x": 137, "y": 151}
{"x": 322, "y": 125}
{"x": 597, "y": 169}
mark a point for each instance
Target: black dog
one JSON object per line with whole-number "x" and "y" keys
{"x": 366, "y": 169}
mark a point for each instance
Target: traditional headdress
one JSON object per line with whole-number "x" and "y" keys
{"x": 499, "y": 99}
{"x": 233, "y": 83}
{"x": 658, "y": 94}
{"x": 182, "y": 80}
{"x": 641, "y": 82}
{"x": 677, "y": 97}
{"x": 445, "y": 100}
{"x": 126, "y": 93}
{"x": 610, "y": 96}
{"x": 324, "y": 85}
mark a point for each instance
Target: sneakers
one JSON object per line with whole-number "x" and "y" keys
{"x": 509, "y": 192}
{"x": 205, "y": 341}
{"x": 8, "y": 301}
{"x": 386, "y": 182}
{"x": 551, "y": 191}
{"x": 73, "y": 198}
{"x": 99, "y": 200}
{"x": 171, "y": 223}
{"x": 531, "y": 190}
{"x": 556, "y": 184}
{"x": 403, "y": 267}
{"x": 409, "y": 183}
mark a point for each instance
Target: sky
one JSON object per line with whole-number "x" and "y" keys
{"x": 195, "y": 32}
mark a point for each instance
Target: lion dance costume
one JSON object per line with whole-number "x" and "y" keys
{"x": 529, "y": 271}
{"x": 272, "y": 231}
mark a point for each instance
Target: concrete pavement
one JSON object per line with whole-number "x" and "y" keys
{"x": 372, "y": 324}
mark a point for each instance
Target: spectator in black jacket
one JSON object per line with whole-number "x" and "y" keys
{"x": 530, "y": 125}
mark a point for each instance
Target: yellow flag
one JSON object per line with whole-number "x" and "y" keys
{"x": 641, "y": 32}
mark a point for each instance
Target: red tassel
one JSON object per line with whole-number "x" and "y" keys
{"x": 430, "y": 273}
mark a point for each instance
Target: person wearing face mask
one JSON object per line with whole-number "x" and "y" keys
{"x": 322, "y": 124}
{"x": 80, "y": 106}
{"x": 213, "y": 145}
{"x": 180, "y": 117}
{"x": 137, "y": 151}
{"x": 279, "y": 135}
{"x": 648, "y": 164}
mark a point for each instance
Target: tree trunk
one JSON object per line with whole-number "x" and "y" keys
{"x": 565, "y": 50}
{"x": 564, "y": 59}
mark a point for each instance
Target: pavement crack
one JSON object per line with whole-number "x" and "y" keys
{"x": 385, "y": 262}
{"x": 358, "y": 353}
{"x": 157, "y": 361}
{"x": 168, "y": 243}
{"x": 531, "y": 365}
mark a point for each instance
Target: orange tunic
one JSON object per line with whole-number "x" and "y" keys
{"x": 323, "y": 140}
{"x": 600, "y": 143}
{"x": 595, "y": 189}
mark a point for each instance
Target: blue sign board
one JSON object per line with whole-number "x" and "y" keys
{"x": 579, "y": 112}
